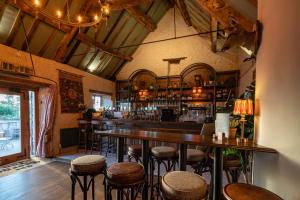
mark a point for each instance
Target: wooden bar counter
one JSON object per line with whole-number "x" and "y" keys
{"x": 183, "y": 140}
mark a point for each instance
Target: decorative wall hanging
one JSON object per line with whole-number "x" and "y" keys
{"x": 71, "y": 92}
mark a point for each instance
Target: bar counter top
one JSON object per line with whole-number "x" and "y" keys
{"x": 186, "y": 127}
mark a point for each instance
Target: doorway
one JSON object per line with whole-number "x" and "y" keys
{"x": 14, "y": 125}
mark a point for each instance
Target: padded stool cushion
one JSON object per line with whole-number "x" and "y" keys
{"x": 163, "y": 152}
{"x": 244, "y": 191}
{"x": 135, "y": 149}
{"x": 194, "y": 155}
{"x": 184, "y": 185}
{"x": 126, "y": 173}
{"x": 89, "y": 164}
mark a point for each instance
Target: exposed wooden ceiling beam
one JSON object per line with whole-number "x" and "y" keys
{"x": 89, "y": 41}
{"x": 142, "y": 18}
{"x": 47, "y": 43}
{"x": 185, "y": 14}
{"x": 68, "y": 37}
{"x": 41, "y": 17}
{"x": 2, "y": 8}
{"x": 14, "y": 30}
{"x": 32, "y": 29}
{"x": 121, "y": 4}
{"x": 105, "y": 39}
{"x": 74, "y": 48}
{"x": 225, "y": 14}
{"x": 54, "y": 32}
{"x": 30, "y": 33}
{"x": 214, "y": 35}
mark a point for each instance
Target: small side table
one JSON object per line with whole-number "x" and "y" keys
{"x": 242, "y": 191}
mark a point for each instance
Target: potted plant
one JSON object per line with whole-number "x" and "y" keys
{"x": 233, "y": 124}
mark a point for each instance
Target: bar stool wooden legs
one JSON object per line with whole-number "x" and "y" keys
{"x": 182, "y": 185}
{"x": 162, "y": 155}
{"x": 86, "y": 166}
{"x": 242, "y": 191}
{"x": 127, "y": 177}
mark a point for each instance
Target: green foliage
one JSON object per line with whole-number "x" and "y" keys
{"x": 9, "y": 108}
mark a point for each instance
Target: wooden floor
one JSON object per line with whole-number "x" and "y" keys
{"x": 48, "y": 182}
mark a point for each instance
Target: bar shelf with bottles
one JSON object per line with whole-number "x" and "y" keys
{"x": 193, "y": 93}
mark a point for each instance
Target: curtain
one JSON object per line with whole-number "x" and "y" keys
{"x": 47, "y": 108}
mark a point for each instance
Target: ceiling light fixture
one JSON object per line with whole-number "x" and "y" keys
{"x": 102, "y": 10}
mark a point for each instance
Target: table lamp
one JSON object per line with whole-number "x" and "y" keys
{"x": 243, "y": 107}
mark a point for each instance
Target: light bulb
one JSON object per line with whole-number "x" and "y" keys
{"x": 96, "y": 17}
{"x": 37, "y": 3}
{"x": 59, "y": 14}
{"x": 106, "y": 10}
{"x": 79, "y": 19}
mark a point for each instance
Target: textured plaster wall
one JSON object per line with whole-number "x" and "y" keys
{"x": 49, "y": 69}
{"x": 246, "y": 71}
{"x": 196, "y": 49}
{"x": 278, "y": 93}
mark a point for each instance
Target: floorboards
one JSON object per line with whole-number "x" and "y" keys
{"x": 48, "y": 182}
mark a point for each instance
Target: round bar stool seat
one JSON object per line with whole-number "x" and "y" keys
{"x": 183, "y": 185}
{"x": 161, "y": 155}
{"x": 242, "y": 191}
{"x": 86, "y": 166}
{"x": 122, "y": 176}
{"x": 164, "y": 152}
{"x": 125, "y": 173}
{"x": 194, "y": 155}
{"x": 136, "y": 149}
{"x": 89, "y": 164}
{"x": 231, "y": 165}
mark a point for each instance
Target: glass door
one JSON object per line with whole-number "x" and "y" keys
{"x": 14, "y": 126}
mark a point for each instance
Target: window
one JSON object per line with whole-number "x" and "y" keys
{"x": 101, "y": 101}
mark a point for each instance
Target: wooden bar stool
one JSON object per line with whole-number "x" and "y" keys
{"x": 83, "y": 126}
{"x": 135, "y": 152}
{"x": 161, "y": 155}
{"x": 86, "y": 166}
{"x": 97, "y": 139}
{"x": 196, "y": 158}
{"x": 243, "y": 191}
{"x": 183, "y": 185}
{"x": 126, "y": 177}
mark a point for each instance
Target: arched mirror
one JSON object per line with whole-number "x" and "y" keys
{"x": 198, "y": 87}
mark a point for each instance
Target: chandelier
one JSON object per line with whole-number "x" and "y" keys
{"x": 101, "y": 10}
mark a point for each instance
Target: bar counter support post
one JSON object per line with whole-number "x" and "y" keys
{"x": 145, "y": 157}
{"x": 120, "y": 157}
{"x": 182, "y": 157}
{"x": 217, "y": 173}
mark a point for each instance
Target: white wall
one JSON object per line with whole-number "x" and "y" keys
{"x": 196, "y": 49}
{"x": 49, "y": 69}
{"x": 246, "y": 71}
{"x": 278, "y": 90}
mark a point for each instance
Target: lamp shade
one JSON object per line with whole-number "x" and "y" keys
{"x": 243, "y": 107}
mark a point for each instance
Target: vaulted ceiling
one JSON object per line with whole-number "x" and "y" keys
{"x": 95, "y": 49}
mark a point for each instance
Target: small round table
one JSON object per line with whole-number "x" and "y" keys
{"x": 242, "y": 191}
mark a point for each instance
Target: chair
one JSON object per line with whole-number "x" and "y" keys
{"x": 244, "y": 191}
{"x": 83, "y": 132}
{"x": 198, "y": 158}
{"x": 182, "y": 185}
{"x": 127, "y": 177}
{"x": 86, "y": 166}
{"x": 97, "y": 125}
{"x": 161, "y": 155}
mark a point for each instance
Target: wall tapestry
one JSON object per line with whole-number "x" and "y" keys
{"x": 71, "y": 92}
